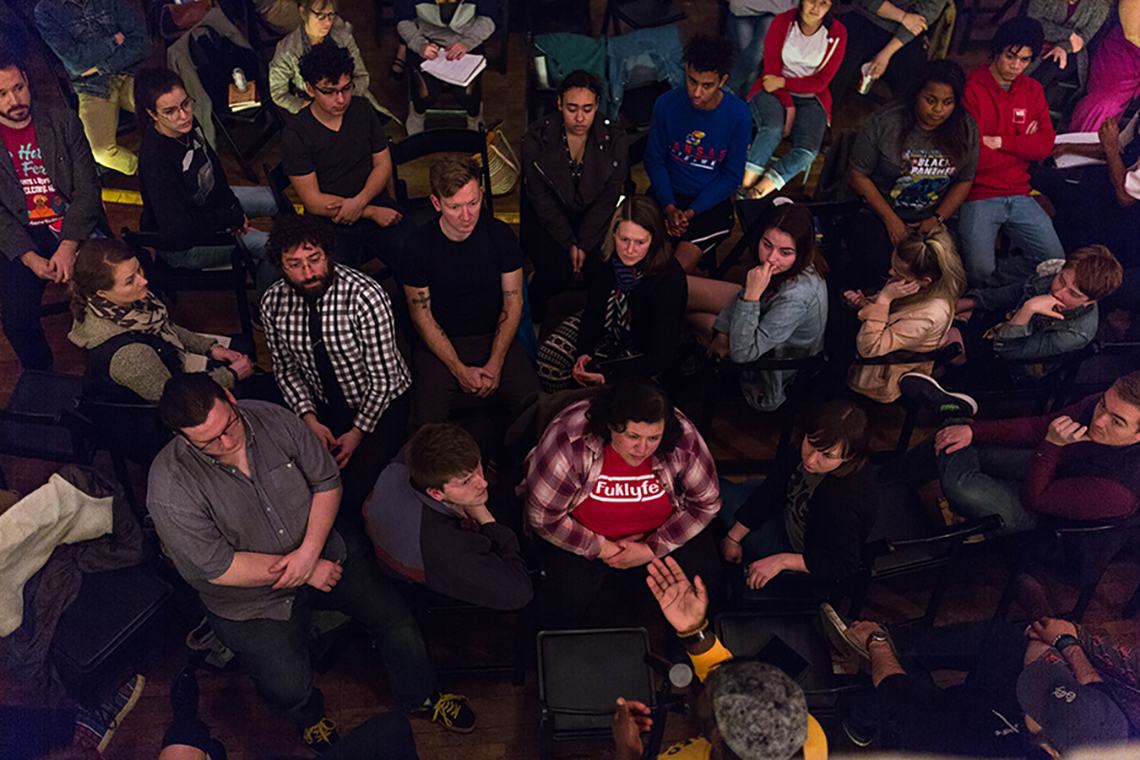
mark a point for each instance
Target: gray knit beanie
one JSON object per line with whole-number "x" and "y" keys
{"x": 761, "y": 712}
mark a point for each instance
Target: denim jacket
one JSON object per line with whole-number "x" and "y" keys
{"x": 788, "y": 323}
{"x": 82, "y": 35}
{"x": 1045, "y": 337}
{"x": 661, "y": 45}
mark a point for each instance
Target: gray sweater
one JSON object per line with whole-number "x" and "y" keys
{"x": 136, "y": 365}
{"x": 286, "y": 86}
{"x": 420, "y": 24}
{"x": 928, "y": 9}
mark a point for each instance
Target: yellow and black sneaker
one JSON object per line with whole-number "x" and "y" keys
{"x": 451, "y": 712}
{"x": 321, "y": 735}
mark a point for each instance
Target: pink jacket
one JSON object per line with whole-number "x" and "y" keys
{"x": 817, "y": 84}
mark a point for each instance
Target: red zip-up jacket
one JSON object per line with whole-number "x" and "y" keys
{"x": 818, "y": 83}
{"x": 1007, "y": 115}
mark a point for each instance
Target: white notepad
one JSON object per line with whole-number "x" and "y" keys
{"x": 458, "y": 72}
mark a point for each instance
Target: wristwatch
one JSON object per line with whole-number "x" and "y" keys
{"x": 876, "y": 636}
{"x": 941, "y": 219}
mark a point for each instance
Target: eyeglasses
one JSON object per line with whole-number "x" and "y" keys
{"x": 227, "y": 432}
{"x": 333, "y": 92}
{"x": 326, "y": 16}
{"x": 186, "y": 106}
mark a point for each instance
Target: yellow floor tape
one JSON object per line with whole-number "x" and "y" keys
{"x": 133, "y": 198}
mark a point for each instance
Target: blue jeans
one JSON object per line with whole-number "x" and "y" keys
{"x": 986, "y": 480}
{"x": 276, "y": 652}
{"x": 748, "y": 32}
{"x": 770, "y": 538}
{"x": 256, "y": 202}
{"x": 807, "y": 135}
{"x": 1028, "y": 226}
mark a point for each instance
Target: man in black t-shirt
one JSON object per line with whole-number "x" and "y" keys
{"x": 463, "y": 279}
{"x": 336, "y": 155}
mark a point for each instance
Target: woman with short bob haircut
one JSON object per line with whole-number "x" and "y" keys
{"x": 781, "y": 311}
{"x": 635, "y": 309}
{"x": 813, "y": 514}
{"x": 616, "y": 480}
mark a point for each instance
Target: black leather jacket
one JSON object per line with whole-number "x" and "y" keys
{"x": 546, "y": 177}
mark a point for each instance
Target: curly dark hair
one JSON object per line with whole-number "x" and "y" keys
{"x": 953, "y": 135}
{"x": 706, "y": 53}
{"x": 327, "y": 61}
{"x": 634, "y": 399}
{"x": 291, "y": 230}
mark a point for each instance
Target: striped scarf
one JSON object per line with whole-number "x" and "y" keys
{"x": 618, "y": 336}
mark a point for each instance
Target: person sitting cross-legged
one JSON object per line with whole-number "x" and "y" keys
{"x": 335, "y": 153}
{"x": 463, "y": 279}
{"x": 333, "y": 339}
{"x": 698, "y": 139}
{"x": 244, "y": 499}
{"x": 431, "y": 522}
{"x": 616, "y": 480}
{"x": 1080, "y": 463}
{"x": 1030, "y": 693}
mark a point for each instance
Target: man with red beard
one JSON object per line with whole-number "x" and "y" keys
{"x": 49, "y": 203}
{"x": 332, "y": 335}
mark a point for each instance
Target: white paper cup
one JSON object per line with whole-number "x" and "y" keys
{"x": 868, "y": 81}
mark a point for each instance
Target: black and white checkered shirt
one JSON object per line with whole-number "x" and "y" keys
{"x": 360, "y": 335}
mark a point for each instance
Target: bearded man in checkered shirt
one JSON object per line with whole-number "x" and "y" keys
{"x": 332, "y": 335}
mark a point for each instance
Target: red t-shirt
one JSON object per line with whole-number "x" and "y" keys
{"x": 625, "y": 500}
{"x": 45, "y": 204}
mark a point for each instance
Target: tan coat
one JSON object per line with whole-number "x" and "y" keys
{"x": 918, "y": 327}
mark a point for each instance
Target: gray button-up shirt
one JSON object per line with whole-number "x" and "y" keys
{"x": 205, "y": 511}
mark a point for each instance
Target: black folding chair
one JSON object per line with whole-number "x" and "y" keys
{"x": 640, "y": 14}
{"x": 168, "y": 281}
{"x": 582, "y": 673}
{"x": 1076, "y": 553}
{"x": 430, "y": 142}
{"x": 905, "y": 541}
{"x": 278, "y": 182}
{"x": 721, "y": 384}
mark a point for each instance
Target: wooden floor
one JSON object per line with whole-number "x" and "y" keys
{"x": 508, "y": 716}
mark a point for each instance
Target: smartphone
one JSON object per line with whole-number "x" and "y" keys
{"x": 777, "y": 652}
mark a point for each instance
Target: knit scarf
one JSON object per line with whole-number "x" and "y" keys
{"x": 146, "y": 316}
{"x": 618, "y": 331}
